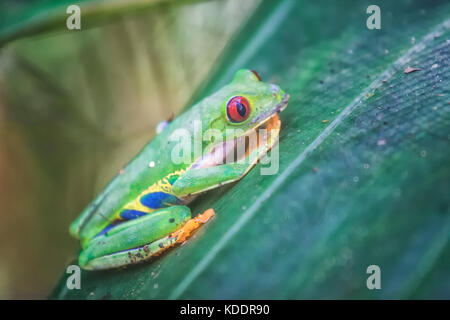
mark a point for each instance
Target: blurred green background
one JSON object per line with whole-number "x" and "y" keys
{"x": 75, "y": 106}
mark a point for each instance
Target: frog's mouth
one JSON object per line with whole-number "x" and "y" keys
{"x": 250, "y": 146}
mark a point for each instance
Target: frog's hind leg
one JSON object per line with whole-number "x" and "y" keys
{"x": 139, "y": 239}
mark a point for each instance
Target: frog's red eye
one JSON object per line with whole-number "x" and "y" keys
{"x": 256, "y": 74}
{"x": 238, "y": 109}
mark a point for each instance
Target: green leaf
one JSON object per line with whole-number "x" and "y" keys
{"x": 363, "y": 170}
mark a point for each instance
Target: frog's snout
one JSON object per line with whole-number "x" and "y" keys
{"x": 278, "y": 93}
{"x": 275, "y": 89}
{"x": 283, "y": 102}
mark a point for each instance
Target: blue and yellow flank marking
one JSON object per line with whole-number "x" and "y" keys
{"x": 159, "y": 195}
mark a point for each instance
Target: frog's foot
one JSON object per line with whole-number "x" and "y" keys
{"x": 163, "y": 124}
{"x": 268, "y": 137}
{"x": 127, "y": 245}
{"x": 182, "y": 234}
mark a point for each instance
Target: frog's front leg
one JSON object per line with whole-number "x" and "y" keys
{"x": 141, "y": 238}
{"x": 202, "y": 179}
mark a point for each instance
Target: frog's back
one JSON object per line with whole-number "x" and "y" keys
{"x": 147, "y": 174}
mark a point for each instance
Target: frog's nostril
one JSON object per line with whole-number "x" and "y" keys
{"x": 275, "y": 90}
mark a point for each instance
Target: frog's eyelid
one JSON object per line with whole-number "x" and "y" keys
{"x": 256, "y": 75}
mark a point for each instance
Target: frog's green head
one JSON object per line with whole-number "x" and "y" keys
{"x": 246, "y": 103}
{"x": 241, "y": 109}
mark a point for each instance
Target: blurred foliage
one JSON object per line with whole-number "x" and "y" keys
{"x": 19, "y": 18}
{"x": 75, "y": 106}
{"x": 364, "y": 174}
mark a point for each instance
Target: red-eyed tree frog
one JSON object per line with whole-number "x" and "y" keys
{"x": 143, "y": 210}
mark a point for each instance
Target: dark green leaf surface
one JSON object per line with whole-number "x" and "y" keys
{"x": 364, "y": 166}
